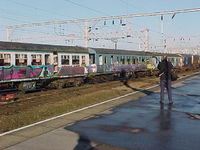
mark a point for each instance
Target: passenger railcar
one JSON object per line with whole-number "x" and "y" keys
{"x": 22, "y": 62}
{"x": 32, "y": 63}
{"x": 20, "y": 54}
{"x": 23, "y": 54}
{"x": 110, "y": 60}
{"x": 173, "y": 58}
{"x": 195, "y": 59}
{"x": 111, "y": 57}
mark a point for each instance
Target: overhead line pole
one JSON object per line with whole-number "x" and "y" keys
{"x": 107, "y": 18}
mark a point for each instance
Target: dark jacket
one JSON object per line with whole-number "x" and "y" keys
{"x": 165, "y": 68}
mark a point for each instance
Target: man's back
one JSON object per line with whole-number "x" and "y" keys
{"x": 165, "y": 68}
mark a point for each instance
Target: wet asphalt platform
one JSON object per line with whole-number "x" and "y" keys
{"x": 147, "y": 125}
{"x": 143, "y": 124}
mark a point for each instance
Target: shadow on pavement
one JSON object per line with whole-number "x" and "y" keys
{"x": 83, "y": 144}
{"x": 125, "y": 82}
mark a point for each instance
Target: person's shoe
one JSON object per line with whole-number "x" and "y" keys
{"x": 170, "y": 102}
{"x": 161, "y": 102}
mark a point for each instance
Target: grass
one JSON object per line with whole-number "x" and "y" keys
{"x": 44, "y": 111}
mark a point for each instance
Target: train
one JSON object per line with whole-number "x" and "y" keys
{"x": 27, "y": 65}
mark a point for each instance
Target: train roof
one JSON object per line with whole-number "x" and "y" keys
{"x": 129, "y": 52}
{"x": 73, "y": 49}
{"x": 114, "y": 51}
{"x": 41, "y": 47}
{"x": 162, "y": 54}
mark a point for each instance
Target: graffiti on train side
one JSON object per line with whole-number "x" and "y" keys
{"x": 71, "y": 70}
{"x": 15, "y": 72}
{"x": 119, "y": 68}
{"x": 20, "y": 72}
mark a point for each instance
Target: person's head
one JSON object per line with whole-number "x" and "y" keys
{"x": 164, "y": 58}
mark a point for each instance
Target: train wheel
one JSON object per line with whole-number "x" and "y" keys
{"x": 132, "y": 74}
{"x": 60, "y": 85}
{"x": 23, "y": 86}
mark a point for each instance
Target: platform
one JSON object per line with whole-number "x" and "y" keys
{"x": 135, "y": 122}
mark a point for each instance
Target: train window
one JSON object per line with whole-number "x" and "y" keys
{"x": 100, "y": 60}
{"x": 6, "y": 55}
{"x": 75, "y": 60}
{"x": 5, "y": 60}
{"x": 33, "y": 56}
{"x": 65, "y": 59}
{"x": 178, "y": 60}
{"x": 128, "y": 60}
{"x": 105, "y": 60}
{"x": 55, "y": 59}
{"x": 117, "y": 59}
{"x": 172, "y": 60}
{"x": 92, "y": 58}
{"x": 136, "y": 60}
{"x": 36, "y": 59}
{"x": 83, "y": 61}
{"x": 133, "y": 60}
{"x": 1, "y": 62}
{"x": 143, "y": 60}
{"x": 122, "y": 60}
{"x": 21, "y": 59}
{"x": 140, "y": 59}
{"x": 111, "y": 59}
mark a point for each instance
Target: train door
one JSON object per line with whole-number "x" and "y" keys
{"x": 100, "y": 60}
{"x": 55, "y": 61}
{"x": 92, "y": 58}
{"x": 111, "y": 60}
{"x": 155, "y": 61}
{"x": 47, "y": 59}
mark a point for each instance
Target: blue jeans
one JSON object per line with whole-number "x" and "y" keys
{"x": 165, "y": 84}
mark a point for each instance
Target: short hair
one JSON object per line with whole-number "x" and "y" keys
{"x": 164, "y": 57}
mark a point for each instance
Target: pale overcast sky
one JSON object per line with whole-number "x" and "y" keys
{"x": 15, "y": 12}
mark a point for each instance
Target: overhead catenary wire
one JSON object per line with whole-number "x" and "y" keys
{"x": 7, "y": 12}
{"x": 70, "y": 2}
{"x": 83, "y": 6}
{"x": 27, "y": 6}
{"x": 110, "y": 17}
{"x": 131, "y": 5}
{"x": 36, "y": 8}
{"x": 40, "y": 9}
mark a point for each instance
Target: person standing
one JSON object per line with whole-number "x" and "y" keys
{"x": 165, "y": 68}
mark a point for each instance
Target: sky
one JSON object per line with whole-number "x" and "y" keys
{"x": 16, "y": 12}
